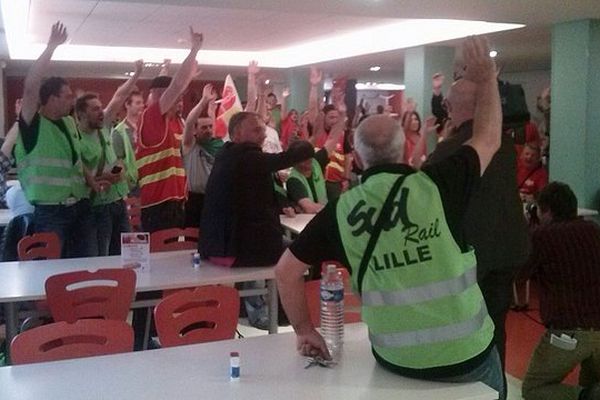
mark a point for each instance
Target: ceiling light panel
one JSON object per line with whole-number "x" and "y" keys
{"x": 352, "y": 39}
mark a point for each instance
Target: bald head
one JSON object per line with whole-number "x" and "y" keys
{"x": 379, "y": 140}
{"x": 461, "y": 101}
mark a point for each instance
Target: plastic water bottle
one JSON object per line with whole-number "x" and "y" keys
{"x": 332, "y": 310}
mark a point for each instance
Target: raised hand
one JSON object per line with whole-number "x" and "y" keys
{"x": 480, "y": 67}
{"x": 58, "y": 35}
{"x": 196, "y": 39}
{"x": 286, "y": 92}
{"x": 253, "y": 68}
{"x": 209, "y": 93}
{"x": 316, "y": 76}
{"x": 138, "y": 66}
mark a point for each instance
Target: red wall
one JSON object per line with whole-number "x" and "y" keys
{"x": 105, "y": 89}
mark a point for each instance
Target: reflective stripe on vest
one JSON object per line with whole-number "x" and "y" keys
{"x": 420, "y": 294}
{"x": 45, "y": 162}
{"x": 444, "y": 333}
{"x": 172, "y": 171}
{"x": 144, "y": 161}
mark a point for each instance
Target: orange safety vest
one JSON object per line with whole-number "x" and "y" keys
{"x": 160, "y": 168}
{"x": 334, "y": 171}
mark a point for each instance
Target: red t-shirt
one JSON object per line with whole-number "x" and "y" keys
{"x": 531, "y": 181}
{"x": 410, "y": 142}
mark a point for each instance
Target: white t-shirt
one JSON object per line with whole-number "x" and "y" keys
{"x": 272, "y": 144}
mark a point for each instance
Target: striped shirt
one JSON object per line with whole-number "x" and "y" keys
{"x": 565, "y": 258}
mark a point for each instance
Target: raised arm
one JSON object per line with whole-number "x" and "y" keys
{"x": 289, "y": 273}
{"x": 164, "y": 68}
{"x": 313, "y": 95}
{"x": 115, "y": 104}
{"x": 487, "y": 123}
{"x": 184, "y": 75}
{"x": 251, "y": 93}
{"x": 208, "y": 94}
{"x": 284, "y": 109}
{"x": 34, "y": 77}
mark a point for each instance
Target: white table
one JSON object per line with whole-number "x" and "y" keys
{"x": 270, "y": 369}
{"x": 24, "y": 280}
{"x": 5, "y": 216}
{"x": 296, "y": 224}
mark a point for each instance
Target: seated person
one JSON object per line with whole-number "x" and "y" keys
{"x": 306, "y": 184}
{"x": 565, "y": 258}
{"x": 531, "y": 174}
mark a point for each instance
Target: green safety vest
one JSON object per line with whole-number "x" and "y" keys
{"x": 92, "y": 152}
{"x": 420, "y": 298}
{"x": 318, "y": 181}
{"x": 47, "y": 173}
{"x": 129, "y": 162}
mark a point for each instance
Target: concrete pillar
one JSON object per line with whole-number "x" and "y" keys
{"x": 420, "y": 63}
{"x": 575, "y": 117}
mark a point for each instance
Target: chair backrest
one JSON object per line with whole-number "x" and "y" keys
{"x": 39, "y": 246}
{"x": 174, "y": 239}
{"x": 61, "y": 340}
{"x": 134, "y": 212}
{"x": 106, "y": 293}
{"x": 208, "y": 313}
{"x": 17, "y": 228}
{"x": 312, "y": 290}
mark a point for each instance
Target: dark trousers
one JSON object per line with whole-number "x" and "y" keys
{"x": 166, "y": 215}
{"x": 193, "y": 209}
{"x": 111, "y": 220}
{"x": 496, "y": 287}
{"x": 73, "y": 224}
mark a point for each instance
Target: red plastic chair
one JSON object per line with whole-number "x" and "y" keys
{"x": 134, "y": 212}
{"x": 61, "y": 340}
{"x": 106, "y": 293}
{"x": 208, "y": 313}
{"x": 170, "y": 239}
{"x": 312, "y": 291}
{"x": 39, "y": 246}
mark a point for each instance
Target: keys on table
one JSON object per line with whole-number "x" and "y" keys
{"x": 321, "y": 362}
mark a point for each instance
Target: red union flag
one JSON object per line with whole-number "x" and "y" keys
{"x": 230, "y": 105}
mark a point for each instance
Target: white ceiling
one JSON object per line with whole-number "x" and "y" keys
{"x": 259, "y": 24}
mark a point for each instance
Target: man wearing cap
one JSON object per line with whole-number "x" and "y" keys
{"x": 160, "y": 166}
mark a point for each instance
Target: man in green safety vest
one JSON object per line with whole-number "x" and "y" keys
{"x": 124, "y": 138}
{"x": 306, "y": 183}
{"x": 99, "y": 158}
{"x": 49, "y": 159}
{"x": 399, "y": 233}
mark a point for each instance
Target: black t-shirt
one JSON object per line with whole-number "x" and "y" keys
{"x": 456, "y": 178}
{"x": 296, "y": 190}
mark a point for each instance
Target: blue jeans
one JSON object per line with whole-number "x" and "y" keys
{"x": 256, "y": 307}
{"x": 74, "y": 226}
{"x": 110, "y": 220}
{"x": 489, "y": 372}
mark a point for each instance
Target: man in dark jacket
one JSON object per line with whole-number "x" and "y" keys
{"x": 240, "y": 219}
{"x": 494, "y": 223}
